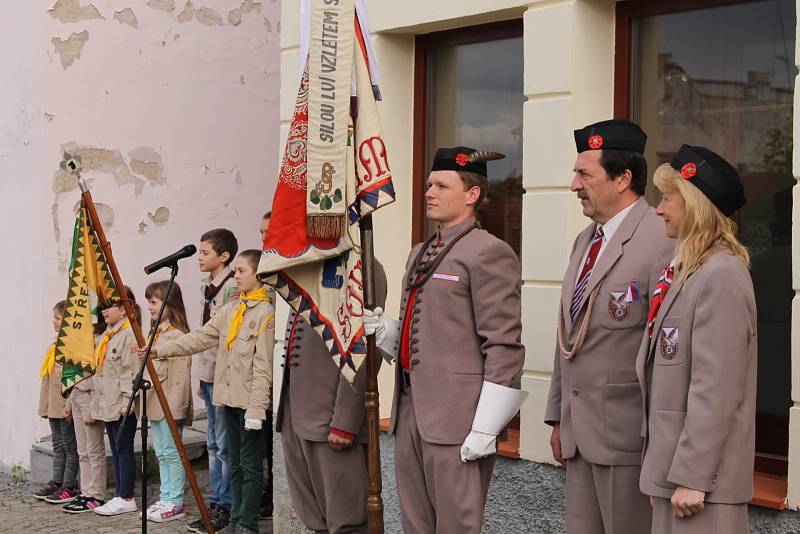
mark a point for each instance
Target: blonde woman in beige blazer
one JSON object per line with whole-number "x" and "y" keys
{"x": 697, "y": 365}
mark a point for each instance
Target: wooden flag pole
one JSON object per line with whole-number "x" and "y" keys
{"x": 72, "y": 167}
{"x": 374, "y": 500}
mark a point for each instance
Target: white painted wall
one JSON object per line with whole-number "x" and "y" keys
{"x": 22, "y": 322}
{"x": 192, "y": 104}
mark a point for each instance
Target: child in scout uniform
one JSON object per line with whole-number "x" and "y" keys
{"x": 117, "y": 366}
{"x": 218, "y": 247}
{"x": 175, "y": 375}
{"x": 245, "y": 337}
{"x": 697, "y": 363}
{"x": 63, "y": 486}
{"x": 91, "y": 442}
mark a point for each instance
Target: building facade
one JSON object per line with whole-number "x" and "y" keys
{"x": 519, "y": 76}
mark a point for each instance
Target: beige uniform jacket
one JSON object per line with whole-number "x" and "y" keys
{"x": 243, "y": 375}
{"x": 320, "y": 398}
{"x": 595, "y": 396}
{"x": 175, "y": 375}
{"x": 51, "y": 403}
{"x": 698, "y": 379}
{"x": 466, "y": 328}
{"x": 113, "y": 383}
{"x": 228, "y": 293}
{"x": 85, "y": 385}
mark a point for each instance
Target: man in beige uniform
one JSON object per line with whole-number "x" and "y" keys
{"x": 460, "y": 352}
{"x": 323, "y": 426}
{"x": 595, "y": 405}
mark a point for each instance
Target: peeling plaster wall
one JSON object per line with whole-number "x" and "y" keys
{"x": 177, "y": 126}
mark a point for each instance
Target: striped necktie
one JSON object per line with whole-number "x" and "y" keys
{"x": 586, "y": 272}
{"x": 663, "y": 285}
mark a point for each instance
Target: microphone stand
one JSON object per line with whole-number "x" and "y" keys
{"x": 140, "y": 384}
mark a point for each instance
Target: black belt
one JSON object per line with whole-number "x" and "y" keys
{"x": 405, "y": 379}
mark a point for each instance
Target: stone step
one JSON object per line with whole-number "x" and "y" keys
{"x": 194, "y": 440}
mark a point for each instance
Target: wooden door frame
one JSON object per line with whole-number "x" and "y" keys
{"x": 424, "y": 43}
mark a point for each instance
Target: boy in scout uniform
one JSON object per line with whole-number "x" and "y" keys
{"x": 245, "y": 337}
{"x": 218, "y": 247}
{"x": 459, "y": 354}
{"x": 594, "y": 405}
{"x": 323, "y": 426}
{"x": 697, "y": 365}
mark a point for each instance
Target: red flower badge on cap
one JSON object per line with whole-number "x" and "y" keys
{"x": 688, "y": 171}
{"x": 462, "y": 159}
{"x": 595, "y": 142}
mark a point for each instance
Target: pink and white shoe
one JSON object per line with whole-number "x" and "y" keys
{"x": 167, "y": 512}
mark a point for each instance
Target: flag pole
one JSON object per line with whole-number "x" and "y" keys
{"x": 72, "y": 166}
{"x": 374, "y": 499}
{"x": 371, "y": 396}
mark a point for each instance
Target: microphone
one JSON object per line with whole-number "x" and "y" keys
{"x": 172, "y": 259}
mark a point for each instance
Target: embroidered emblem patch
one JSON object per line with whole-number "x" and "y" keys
{"x": 447, "y": 277}
{"x": 669, "y": 343}
{"x": 688, "y": 171}
{"x": 252, "y": 324}
{"x": 595, "y": 142}
{"x": 618, "y": 306}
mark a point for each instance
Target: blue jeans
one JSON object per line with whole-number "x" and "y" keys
{"x": 170, "y": 467}
{"x": 122, "y": 455}
{"x": 219, "y": 466}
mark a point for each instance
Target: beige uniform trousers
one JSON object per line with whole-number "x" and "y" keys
{"x": 91, "y": 446}
{"x": 328, "y": 488}
{"x": 604, "y": 499}
{"x": 438, "y": 492}
{"x": 714, "y": 519}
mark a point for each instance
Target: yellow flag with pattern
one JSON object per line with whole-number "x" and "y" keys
{"x": 91, "y": 288}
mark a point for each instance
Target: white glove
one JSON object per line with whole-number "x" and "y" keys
{"x": 477, "y": 445}
{"x": 374, "y": 323}
{"x": 252, "y": 424}
{"x": 387, "y": 331}
{"x": 497, "y": 405}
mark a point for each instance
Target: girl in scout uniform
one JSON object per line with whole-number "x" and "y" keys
{"x": 175, "y": 375}
{"x": 62, "y": 488}
{"x": 116, "y": 363}
{"x": 697, "y": 364}
{"x": 89, "y": 435}
{"x": 245, "y": 336}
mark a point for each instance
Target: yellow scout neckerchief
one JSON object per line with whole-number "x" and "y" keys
{"x": 102, "y": 348}
{"x": 160, "y": 330}
{"x": 259, "y": 294}
{"x": 49, "y": 362}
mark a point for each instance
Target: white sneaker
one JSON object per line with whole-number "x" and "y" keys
{"x": 116, "y": 506}
{"x": 154, "y": 508}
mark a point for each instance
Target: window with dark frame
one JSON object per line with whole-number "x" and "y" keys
{"x": 469, "y": 92}
{"x": 720, "y": 73}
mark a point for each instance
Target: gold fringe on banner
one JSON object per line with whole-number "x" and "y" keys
{"x": 325, "y": 226}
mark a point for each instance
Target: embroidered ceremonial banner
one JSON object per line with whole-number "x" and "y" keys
{"x": 330, "y": 62}
{"x": 90, "y": 287}
{"x": 321, "y": 277}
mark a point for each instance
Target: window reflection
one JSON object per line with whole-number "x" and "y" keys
{"x": 474, "y": 98}
{"x": 724, "y": 78}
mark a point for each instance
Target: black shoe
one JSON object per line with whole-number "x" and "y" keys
{"x": 265, "y": 512}
{"x": 219, "y": 520}
{"x": 45, "y": 491}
